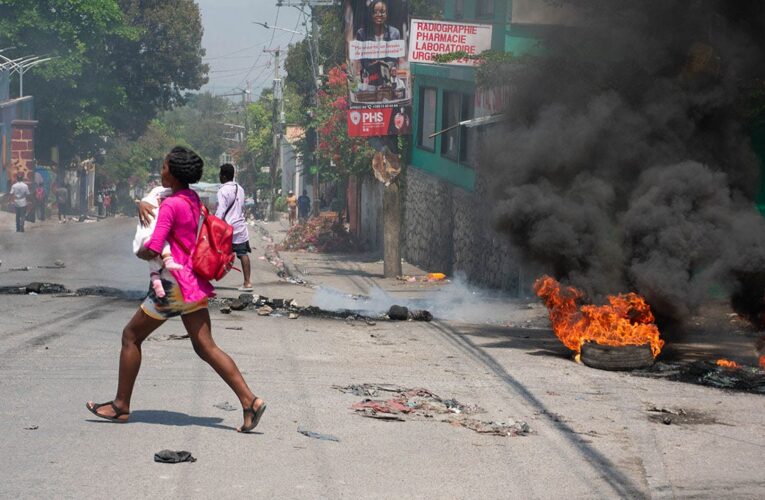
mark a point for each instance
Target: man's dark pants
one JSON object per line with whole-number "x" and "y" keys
{"x": 21, "y": 214}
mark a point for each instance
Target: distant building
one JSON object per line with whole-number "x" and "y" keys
{"x": 17, "y": 135}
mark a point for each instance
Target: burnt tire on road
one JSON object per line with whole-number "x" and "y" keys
{"x": 607, "y": 357}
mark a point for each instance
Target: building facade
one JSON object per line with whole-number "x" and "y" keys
{"x": 447, "y": 217}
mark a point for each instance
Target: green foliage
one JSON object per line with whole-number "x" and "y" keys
{"x": 115, "y": 64}
{"x": 280, "y": 204}
{"x": 426, "y": 9}
{"x": 197, "y": 125}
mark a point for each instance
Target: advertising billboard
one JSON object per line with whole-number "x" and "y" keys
{"x": 379, "y": 80}
{"x": 432, "y": 38}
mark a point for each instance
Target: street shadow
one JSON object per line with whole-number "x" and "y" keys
{"x": 622, "y": 485}
{"x": 535, "y": 341}
{"x": 174, "y": 418}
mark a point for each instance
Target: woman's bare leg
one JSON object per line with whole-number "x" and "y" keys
{"x": 135, "y": 332}
{"x": 198, "y": 327}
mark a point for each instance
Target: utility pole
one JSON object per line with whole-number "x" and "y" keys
{"x": 277, "y": 130}
{"x": 313, "y": 50}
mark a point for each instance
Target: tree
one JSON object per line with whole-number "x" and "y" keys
{"x": 350, "y": 155}
{"x": 112, "y": 69}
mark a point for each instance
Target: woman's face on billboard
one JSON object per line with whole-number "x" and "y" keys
{"x": 379, "y": 13}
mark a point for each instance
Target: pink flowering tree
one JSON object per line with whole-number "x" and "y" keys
{"x": 349, "y": 155}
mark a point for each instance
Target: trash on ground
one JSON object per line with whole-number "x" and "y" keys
{"x": 708, "y": 373}
{"x": 294, "y": 315}
{"x": 225, "y": 310}
{"x": 59, "y": 264}
{"x": 417, "y": 404}
{"x": 226, "y": 406}
{"x": 233, "y": 328}
{"x": 173, "y": 457}
{"x": 31, "y": 427}
{"x": 427, "y": 278}
{"x": 319, "y": 234}
{"x": 511, "y": 428}
{"x": 172, "y": 336}
{"x": 25, "y": 268}
{"x": 317, "y": 435}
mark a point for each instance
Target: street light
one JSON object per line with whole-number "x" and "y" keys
{"x": 21, "y": 66}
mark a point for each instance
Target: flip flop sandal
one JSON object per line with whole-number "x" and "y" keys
{"x": 117, "y": 412}
{"x": 256, "y": 414}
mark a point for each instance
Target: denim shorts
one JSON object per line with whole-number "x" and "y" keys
{"x": 242, "y": 249}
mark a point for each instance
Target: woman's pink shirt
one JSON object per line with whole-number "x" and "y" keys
{"x": 177, "y": 221}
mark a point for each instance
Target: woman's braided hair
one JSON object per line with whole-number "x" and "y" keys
{"x": 185, "y": 165}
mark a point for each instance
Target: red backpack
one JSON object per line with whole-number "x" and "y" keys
{"x": 213, "y": 256}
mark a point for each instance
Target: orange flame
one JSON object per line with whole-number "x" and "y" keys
{"x": 726, "y": 363}
{"x": 626, "y": 320}
{"x": 762, "y": 361}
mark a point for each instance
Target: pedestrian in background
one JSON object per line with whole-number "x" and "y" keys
{"x": 100, "y": 204}
{"x": 231, "y": 209}
{"x": 107, "y": 204}
{"x": 304, "y": 206}
{"x": 292, "y": 207}
{"x": 19, "y": 194}
{"x": 186, "y": 295}
{"x": 40, "y": 199}
{"x": 62, "y": 195}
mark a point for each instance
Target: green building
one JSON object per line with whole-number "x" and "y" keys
{"x": 447, "y": 213}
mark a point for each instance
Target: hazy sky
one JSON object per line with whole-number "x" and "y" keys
{"x": 235, "y": 45}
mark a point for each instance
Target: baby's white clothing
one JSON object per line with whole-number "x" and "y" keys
{"x": 143, "y": 234}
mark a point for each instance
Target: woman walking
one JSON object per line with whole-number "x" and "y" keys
{"x": 185, "y": 296}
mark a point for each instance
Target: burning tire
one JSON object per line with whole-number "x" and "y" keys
{"x": 607, "y": 357}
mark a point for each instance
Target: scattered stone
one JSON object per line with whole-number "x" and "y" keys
{"x": 32, "y": 427}
{"x": 238, "y": 305}
{"x": 399, "y": 313}
{"x": 420, "y": 315}
{"x": 265, "y": 311}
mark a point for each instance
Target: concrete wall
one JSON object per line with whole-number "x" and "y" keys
{"x": 370, "y": 211}
{"x": 449, "y": 230}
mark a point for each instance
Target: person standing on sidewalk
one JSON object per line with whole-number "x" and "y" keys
{"x": 292, "y": 207}
{"x": 41, "y": 199}
{"x": 231, "y": 209}
{"x": 62, "y": 196}
{"x": 304, "y": 206}
{"x": 19, "y": 194}
{"x": 186, "y": 295}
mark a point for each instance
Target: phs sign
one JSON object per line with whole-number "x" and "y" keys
{"x": 432, "y": 38}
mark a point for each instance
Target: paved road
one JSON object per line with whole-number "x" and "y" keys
{"x": 592, "y": 436}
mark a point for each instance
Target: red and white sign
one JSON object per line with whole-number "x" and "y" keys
{"x": 380, "y": 121}
{"x": 431, "y": 38}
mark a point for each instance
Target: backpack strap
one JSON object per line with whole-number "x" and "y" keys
{"x": 199, "y": 226}
{"x": 236, "y": 192}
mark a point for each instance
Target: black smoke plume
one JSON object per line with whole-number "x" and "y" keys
{"x": 626, "y": 161}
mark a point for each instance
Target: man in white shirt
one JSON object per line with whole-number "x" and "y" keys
{"x": 19, "y": 194}
{"x": 231, "y": 209}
